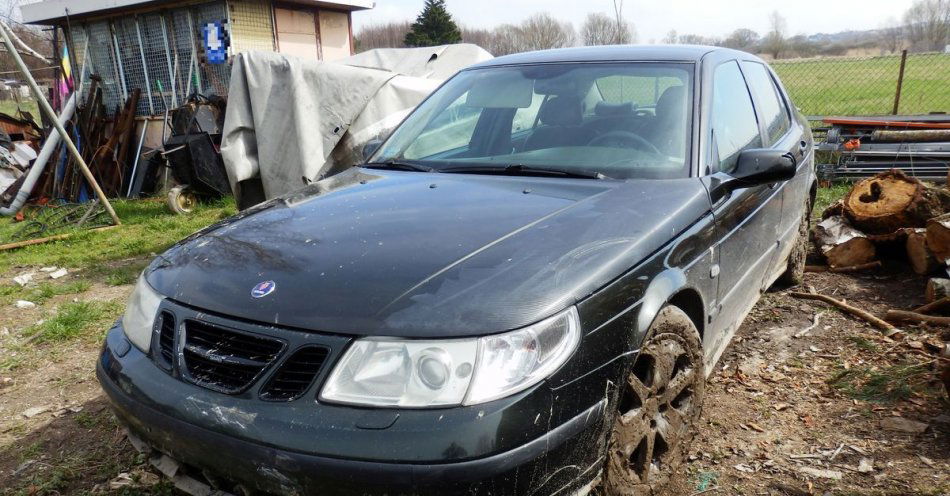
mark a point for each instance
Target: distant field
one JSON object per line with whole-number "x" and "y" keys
{"x": 866, "y": 86}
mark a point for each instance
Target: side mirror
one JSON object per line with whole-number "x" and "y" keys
{"x": 370, "y": 148}
{"x": 762, "y": 166}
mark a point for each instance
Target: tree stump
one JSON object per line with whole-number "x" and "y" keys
{"x": 937, "y": 288}
{"x": 841, "y": 244}
{"x": 920, "y": 257}
{"x": 893, "y": 200}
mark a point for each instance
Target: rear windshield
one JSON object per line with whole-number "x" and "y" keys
{"x": 623, "y": 120}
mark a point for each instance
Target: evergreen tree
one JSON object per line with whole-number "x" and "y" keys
{"x": 434, "y": 26}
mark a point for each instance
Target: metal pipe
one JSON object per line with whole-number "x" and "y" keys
{"x": 148, "y": 86}
{"x": 138, "y": 155}
{"x": 168, "y": 58}
{"x": 118, "y": 61}
{"x": 49, "y": 146}
{"x": 51, "y": 115}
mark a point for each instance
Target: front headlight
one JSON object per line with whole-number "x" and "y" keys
{"x": 430, "y": 373}
{"x": 140, "y": 314}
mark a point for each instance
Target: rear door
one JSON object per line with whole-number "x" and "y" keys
{"x": 782, "y": 132}
{"x": 746, "y": 218}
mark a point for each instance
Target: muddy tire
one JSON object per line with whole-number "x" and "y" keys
{"x": 657, "y": 408}
{"x": 794, "y": 273}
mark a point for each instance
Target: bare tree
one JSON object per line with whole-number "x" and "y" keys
{"x": 892, "y": 35}
{"x": 775, "y": 43}
{"x": 927, "y": 24}
{"x": 480, "y": 37}
{"x": 742, "y": 39}
{"x": 600, "y": 29}
{"x": 670, "y": 38}
{"x": 505, "y": 39}
{"x": 543, "y": 31}
{"x": 388, "y": 35}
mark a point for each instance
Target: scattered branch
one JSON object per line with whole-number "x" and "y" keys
{"x": 857, "y": 312}
{"x": 905, "y": 316}
{"x": 851, "y": 268}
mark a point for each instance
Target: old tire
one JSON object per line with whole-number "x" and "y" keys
{"x": 181, "y": 200}
{"x": 657, "y": 407}
{"x": 795, "y": 266}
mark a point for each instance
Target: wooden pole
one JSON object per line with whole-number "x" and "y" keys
{"x": 37, "y": 241}
{"x": 900, "y": 82}
{"x": 51, "y": 115}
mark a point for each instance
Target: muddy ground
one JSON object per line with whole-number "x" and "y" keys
{"x": 842, "y": 409}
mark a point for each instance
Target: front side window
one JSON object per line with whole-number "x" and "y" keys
{"x": 621, "y": 120}
{"x": 733, "y": 122}
{"x": 771, "y": 106}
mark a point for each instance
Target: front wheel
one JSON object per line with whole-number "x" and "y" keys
{"x": 658, "y": 405}
{"x": 794, "y": 273}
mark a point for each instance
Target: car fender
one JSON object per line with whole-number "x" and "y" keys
{"x": 661, "y": 289}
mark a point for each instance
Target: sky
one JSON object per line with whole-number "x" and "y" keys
{"x": 653, "y": 19}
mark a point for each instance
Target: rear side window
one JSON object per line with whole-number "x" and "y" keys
{"x": 733, "y": 120}
{"x": 771, "y": 105}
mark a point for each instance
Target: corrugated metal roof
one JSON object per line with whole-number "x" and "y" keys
{"x": 51, "y": 11}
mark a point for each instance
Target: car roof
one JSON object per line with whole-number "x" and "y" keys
{"x": 679, "y": 53}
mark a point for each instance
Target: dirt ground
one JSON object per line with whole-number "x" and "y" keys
{"x": 842, "y": 409}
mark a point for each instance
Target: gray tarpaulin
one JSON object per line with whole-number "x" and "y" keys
{"x": 292, "y": 122}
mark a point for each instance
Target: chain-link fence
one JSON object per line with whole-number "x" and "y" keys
{"x": 160, "y": 53}
{"x": 868, "y": 85}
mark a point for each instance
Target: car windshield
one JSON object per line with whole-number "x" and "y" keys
{"x": 616, "y": 120}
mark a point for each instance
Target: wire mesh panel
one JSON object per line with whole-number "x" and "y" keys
{"x": 78, "y": 46}
{"x": 867, "y": 85}
{"x": 156, "y": 61}
{"x": 252, "y": 26}
{"x": 130, "y": 58}
{"x": 102, "y": 58}
{"x": 163, "y": 52}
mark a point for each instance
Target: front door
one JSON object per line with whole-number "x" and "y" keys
{"x": 746, "y": 218}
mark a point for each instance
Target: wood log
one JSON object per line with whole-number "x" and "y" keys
{"x": 892, "y": 200}
{"x": 937, "y": 288}
{"x": 938, "y": 237}
{"x": 841, "y": 244}
{"x": 921, "y": 258}
{"x": 857, "y": 312}
{"x": 933, "y": 305}
{"x": 905, "y": 316}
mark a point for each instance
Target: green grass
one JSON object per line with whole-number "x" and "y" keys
{"x": 147, "y": 227}
{"x": 884, "y": 384}
{"x": 829, "y": 195}
{"x": 866, "y": 86}
{"x": 73, "y": 320}
{"x": 41, "y": 293}
{"x": 9, "y": 107}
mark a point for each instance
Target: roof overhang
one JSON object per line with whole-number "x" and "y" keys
{"x": 55, "y": 11}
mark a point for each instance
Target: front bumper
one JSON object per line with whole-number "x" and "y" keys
{"x": 519, "y": 445}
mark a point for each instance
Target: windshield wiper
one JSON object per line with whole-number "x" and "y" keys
{"x": 399, "y": 165}
{"x": 523, "y": 170}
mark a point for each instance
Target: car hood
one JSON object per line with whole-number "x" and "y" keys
{"x": 371, "y": 252}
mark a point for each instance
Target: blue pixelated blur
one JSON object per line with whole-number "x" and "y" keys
{"x": 216, "y": 42}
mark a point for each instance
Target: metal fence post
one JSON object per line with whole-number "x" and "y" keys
{"x": 118, "y": 61}
{"x": 900, "y": 82}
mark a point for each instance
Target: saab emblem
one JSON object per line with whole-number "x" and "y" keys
{"x": 263, "y": 289}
